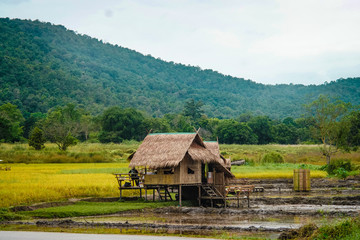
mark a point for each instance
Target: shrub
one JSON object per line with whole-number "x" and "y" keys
{"x": 272, "y": 157}
{"x": 37, "y": 139}
{"x": 339, "y": 167}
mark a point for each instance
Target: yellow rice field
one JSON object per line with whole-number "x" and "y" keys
{"x": 278, "y": 174}
{"x": 30, "y": 183}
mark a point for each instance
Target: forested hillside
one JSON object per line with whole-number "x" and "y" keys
{"x": 44, "y": 65}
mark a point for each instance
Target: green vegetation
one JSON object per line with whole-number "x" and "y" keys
{"x": 329, "y": 126}
{"x": 94, "y": 208}
{"x": 81, "y": 153}
{"x": 37, "y": 139}
{"x": 7, "y": 215}
{"x": 44, "y": 66}
{"x": 272, "y": 157}
{"x": 274, "y": 170}
{"x": 345, "y": 230}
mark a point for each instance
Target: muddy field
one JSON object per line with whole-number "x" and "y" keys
{"x": 272, "y": 212}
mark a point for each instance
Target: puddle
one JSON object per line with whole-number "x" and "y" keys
{"x": 244, "y": 225}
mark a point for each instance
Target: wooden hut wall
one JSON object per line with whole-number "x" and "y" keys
{"x": 190, "y": 171}
{"x": 164, "y": 176}
{"x": 220, "y": 182}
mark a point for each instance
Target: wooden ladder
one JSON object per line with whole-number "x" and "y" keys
{"x": 164, "y": 193}
{"x": 211, "y": 191}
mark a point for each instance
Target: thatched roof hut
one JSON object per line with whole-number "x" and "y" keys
{"x": 167, "y": 150}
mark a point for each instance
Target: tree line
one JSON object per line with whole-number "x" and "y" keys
{"x": 329, "y": 122}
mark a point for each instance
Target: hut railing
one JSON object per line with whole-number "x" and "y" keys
{"x": 130, "y": 180}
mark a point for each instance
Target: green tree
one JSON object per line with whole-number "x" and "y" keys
{"x": 157, "y": 125}
{"x": 193, "y": 109}
{"x": 37, "y": 139}
{"x": 10, "y": 123}
{"x": 353, "y": 121}
{"x": 262, "y": 127}
{"x": 327, "y": 114}
{"x": 31, "y": 122}
{"x": 179, "y": 123}
{"x": 285, "y": 134}
{"x": 230, "y": 131}
{"x": 121, "y": 124}
{"x": 62, "y": 125}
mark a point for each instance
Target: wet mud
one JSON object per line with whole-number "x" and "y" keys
{"x": 277, "y": 210}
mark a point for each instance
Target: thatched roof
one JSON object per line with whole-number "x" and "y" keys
{"x": 214, "y": 148}
{"x": 160, "y": 150}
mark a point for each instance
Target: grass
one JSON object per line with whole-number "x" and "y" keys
{"x": 345, "y": 230}
{"x": 269, "y": 170}
{"x": 297, "y": 154}
{"x": 80, "y": 153}
{"x": 348, "y": 229}
{"x": 94, "y": 208}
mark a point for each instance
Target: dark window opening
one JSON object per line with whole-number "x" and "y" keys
{"x": 169, "y": 171}
{"x": 190, "y": 171}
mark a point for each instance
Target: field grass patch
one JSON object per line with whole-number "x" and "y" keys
{"x": 94, "y": 208}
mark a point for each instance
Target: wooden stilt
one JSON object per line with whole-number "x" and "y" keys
{"x": 248, "y": 198}
{"x": 120, "y": 193}
{"x": 238, "y": 199}
{"x": 199, "y": 187}
{"x": 180, "y": 196}
{"x": 145, "y": 193}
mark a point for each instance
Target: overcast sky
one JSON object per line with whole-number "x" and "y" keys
{"x": 271, "y": 42}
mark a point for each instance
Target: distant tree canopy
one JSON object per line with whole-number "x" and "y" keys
{"x": 44, "y": 66}
{"x": 10, "y": 123}
{"x": 121, "y": 124}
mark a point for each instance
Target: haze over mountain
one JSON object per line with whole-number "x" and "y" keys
{"x": 44, "y": 65}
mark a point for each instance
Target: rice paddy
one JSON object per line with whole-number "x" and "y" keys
{"x": 37, "y": 179}
{"x": 31, "y": 183}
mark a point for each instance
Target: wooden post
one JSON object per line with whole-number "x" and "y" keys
{"x": 180, "y": 196}
{"x": 120, "y": 193}
{"x": 248, "y": 198}
{"x": 145, "y": 193}
{"x": 199, "y": 187}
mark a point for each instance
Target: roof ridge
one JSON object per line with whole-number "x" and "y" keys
{"x": 174, "y": 133}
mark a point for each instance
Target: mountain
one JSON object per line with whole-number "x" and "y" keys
{"x": 44, "y": 65}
